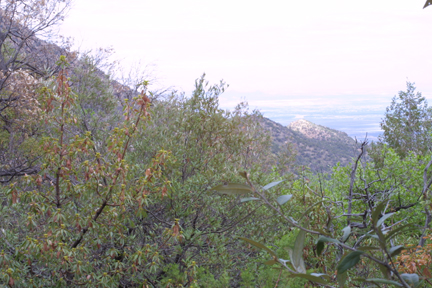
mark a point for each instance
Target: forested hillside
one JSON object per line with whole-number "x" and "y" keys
{"x": 110, "y": 184}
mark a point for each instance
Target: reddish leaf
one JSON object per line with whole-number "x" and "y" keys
{"x": 427, "y": 273}
{"x": 14, "y": 196}
{"x": 176, "y": 228}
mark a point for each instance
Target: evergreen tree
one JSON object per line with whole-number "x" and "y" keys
{"x": 407, "y": 122}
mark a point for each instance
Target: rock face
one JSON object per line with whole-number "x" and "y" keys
{"x": 318, "y": 147}
{"x": 320, "y": 133}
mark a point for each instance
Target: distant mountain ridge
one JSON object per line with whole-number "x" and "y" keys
{"x": 318, "y": 147}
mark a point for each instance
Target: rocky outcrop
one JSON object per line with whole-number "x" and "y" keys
{"x": 318, "y": 147}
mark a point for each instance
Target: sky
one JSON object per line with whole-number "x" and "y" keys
{"x": 337, "y": 63}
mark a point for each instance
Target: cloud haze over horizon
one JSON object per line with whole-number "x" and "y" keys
{"x": 356, "y": 116}
{"x": 337, "y": 62}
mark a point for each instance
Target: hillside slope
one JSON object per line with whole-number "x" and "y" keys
{"x": 318, "y": 147}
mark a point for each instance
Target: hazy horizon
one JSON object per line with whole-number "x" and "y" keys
{"x": 337, "y": 63}
{"x": 356, "y": 115}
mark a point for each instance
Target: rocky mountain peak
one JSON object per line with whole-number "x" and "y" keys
{"x": 318, "y": 132}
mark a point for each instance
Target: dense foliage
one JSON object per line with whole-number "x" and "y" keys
{"x": 366, "y": 215}
{"x": 102, "y": 186}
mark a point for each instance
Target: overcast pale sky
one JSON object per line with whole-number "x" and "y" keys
{"x": 340, "y": 54}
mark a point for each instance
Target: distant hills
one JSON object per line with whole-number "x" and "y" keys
{"x": 318, "y": 147}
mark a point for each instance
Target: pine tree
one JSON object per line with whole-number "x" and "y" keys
{"x": 407, "y": 122}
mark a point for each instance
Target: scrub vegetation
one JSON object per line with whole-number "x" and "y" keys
{"x": 104, "y": 184}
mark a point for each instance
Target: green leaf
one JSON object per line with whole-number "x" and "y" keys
{"x": 381, "y": 239}
{"x": 341, "y": 278}
{"x": 382, "y": 219}
{"x": 346, "y": 233}
{"x": 367, "y": 248}
{"x": 244, "y": 174}
{"x": 248, "y": 199}
{"x": 271, "y": 262}
{"x": 394, "y": 232}
{"x": 259, "y": 245}
{"x": 297, "y": 255}
{"x": 411, "y": 279}
{"x": 283, "y": 199}
{"x": 377, "y": 212}
{"x": 309, "y": 277}
{"x": 349, "y": 261}
{"x": 372, "y": 235}
{"x": 393, "y": 251}
{"x": 268, "y": 186}
{"x": 356, "y": 218}
{"x": 379, "y": 281}
{"x": 322, "y": 232}
{"x": 320, "y": 248}
{"x": 299, "y": 266}
{"x": 322, "y": 240}
{"x": 385, "y": 271}
{"x": 232, "y": 189}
